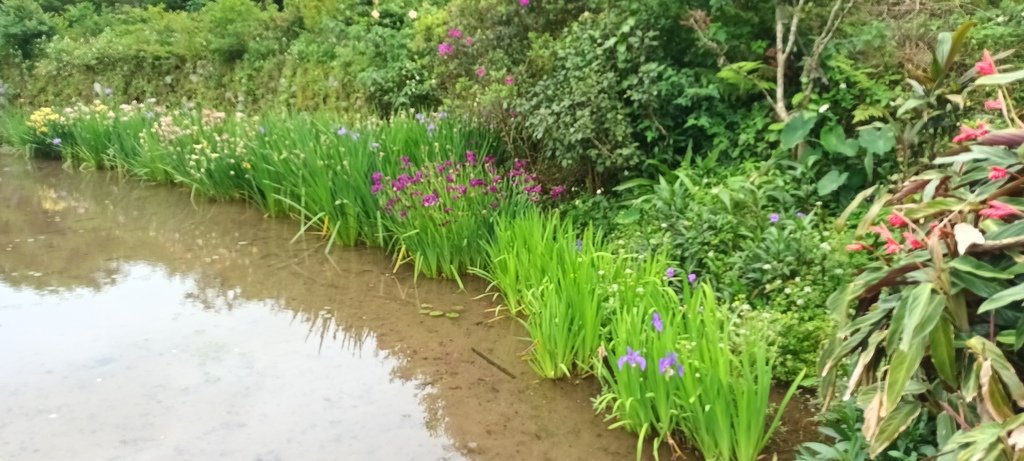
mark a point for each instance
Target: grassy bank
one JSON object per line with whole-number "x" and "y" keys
{"x": 430, "y": 191}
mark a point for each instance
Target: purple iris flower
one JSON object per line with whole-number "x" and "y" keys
{"x": 342, "y": 131}
{"x": 669, "y": 365}
{"x": 56, "y": 141}
{"x": 774, "y": 218}
{"x": 656, "y": 321}
{"x": 377, "y": 176}
{"x": 471, "y": 157}
{"x": 430, "y": 200}
{"x": 633, "y": 358}
{"x": 692, "y": 277}
{"x": 670, "y": 273}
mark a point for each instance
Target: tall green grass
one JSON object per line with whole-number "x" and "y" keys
{"x": 715, "y": 392}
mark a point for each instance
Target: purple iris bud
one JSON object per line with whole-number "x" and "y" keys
{"x": 656, "y": 321}
{"x": 632, "y": 358}
{"x": 475, "y": 182}
{"x": 692, "y": 277}
{"x": 670, "y": 273}
{"x": 669, "y": 365}
{"x": 774, "y": 217}
{"x": 405, "y": 161}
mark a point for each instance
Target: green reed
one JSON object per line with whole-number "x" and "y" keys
{"x": 714, "y": 392}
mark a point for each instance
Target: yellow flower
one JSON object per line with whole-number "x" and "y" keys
{"x": 246, "y": 165}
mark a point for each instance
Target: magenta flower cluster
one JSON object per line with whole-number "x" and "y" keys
{"x": 455, "y": 38}
{"x": 458, "y": 187}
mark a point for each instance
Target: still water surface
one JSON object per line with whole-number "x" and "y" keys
{"x": 137, "y": 324}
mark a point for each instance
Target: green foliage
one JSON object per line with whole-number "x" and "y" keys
{"x": 604, "y": 104}
{"x": 232, "y": 25}
{"x": 937, "y": 323}
{"x": 698, "y": 373}
{"x": 23, "y": 24}
{"x": 843, "y": 426}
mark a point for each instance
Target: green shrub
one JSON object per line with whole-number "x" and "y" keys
{"x": 23, "y": 24}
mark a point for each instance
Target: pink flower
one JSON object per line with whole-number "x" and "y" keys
{"x": 969, "y": 134}
{"x": 557, "y": 191}
{"x": 856, "y": 246}
{"x": 524, "y": 2}
{"x": 881, "y": 231}
{"x": 999, "y": 210}
{"x": 468, "y": 40}
{"x": 892, "y": 246}
{"x": 454, "y": 33}
{"x": 480, "y": 71}
{"x": 987, "y": 66}
{"x": 897, "y": 220}
{"x": 444, "y": 49}
{"x": 995, "y": 104}
{"x": 997, "y": 173}
{"x": 510, "y": 80}
{"x": 912, "y": 241}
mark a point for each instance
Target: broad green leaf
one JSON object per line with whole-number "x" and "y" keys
{"x": 841, "y": 222}
{"x": 834, "y": 140}
{"x": 878, "y": 140}
{"x": 1019, "y": 341}
{"x": 1010, "y": 295}
{"x": 902, "y": 367}
{"x": 943, "y": 355}
{"x": 1016, "y": 229}
{"x": 923, "y": 309}
{"x": 797, "y": 130}
{"x": 893, "y": 425}
{"x": 993, "y": 397}
{"x": 964, "y": 157}
{"x": 976, "y": 267}
{"x": 986, "y": 350}
{"x": 910, "y": 105}
{"x": 1000, "y": 79}
{"x": 978, "y": 285}
{"x": 831, "y": 181}
{"x": 939, "y": 205}
{"x": 956, "y": 44}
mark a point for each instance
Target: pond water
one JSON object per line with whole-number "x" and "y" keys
{"x": 138, "y": 324}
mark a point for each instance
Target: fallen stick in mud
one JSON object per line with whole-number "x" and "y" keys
{"x": 493, "y": 363}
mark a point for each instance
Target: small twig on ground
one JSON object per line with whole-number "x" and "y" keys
{"x": 493, "y": 363}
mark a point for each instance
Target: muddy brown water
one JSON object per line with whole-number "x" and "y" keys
{"x": 137, "y": 324}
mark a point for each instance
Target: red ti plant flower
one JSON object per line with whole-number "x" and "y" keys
{"x": 997, "y": 173}
{"x": 994, "y": 104}
{"x": 969, "y": 134}
{"x": 987, "y": 65}
{"x": 897, "y": 220}
{"x": 999, "y": 210}
{"x": 912, "y": 240}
